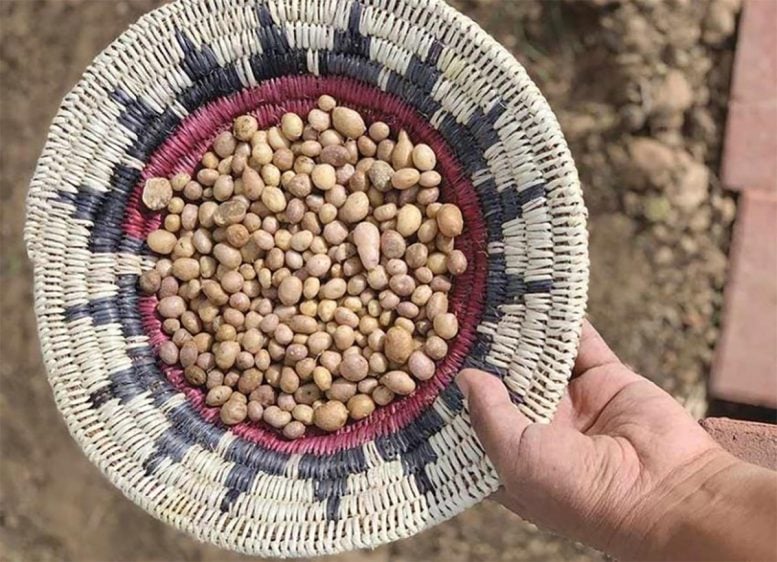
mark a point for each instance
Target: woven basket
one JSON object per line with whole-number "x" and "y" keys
{"x": 150, "y": 105}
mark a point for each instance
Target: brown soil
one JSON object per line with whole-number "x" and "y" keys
{"x": 640, "y": 89}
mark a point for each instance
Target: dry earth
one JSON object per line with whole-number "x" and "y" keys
{"x": 640, "y": 89}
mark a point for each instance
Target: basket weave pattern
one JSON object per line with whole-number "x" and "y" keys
{"x": 150, "y": 105}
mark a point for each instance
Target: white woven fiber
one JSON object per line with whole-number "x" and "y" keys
{"x": 532, "y": 341}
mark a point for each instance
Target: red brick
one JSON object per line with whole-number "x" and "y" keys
{"x": 750, "y": 154}
{"x": 750, "y": 151}
{"x": 745, "y": 367}
{"x": 750, "y": 441}
{"x": 755, "y": 65}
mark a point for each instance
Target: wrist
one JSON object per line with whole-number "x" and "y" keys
{"x": 681, "y": 508}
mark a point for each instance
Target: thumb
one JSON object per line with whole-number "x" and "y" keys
{"x": 497, "y": 422}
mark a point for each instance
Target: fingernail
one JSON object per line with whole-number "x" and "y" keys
{"x": 463, "y": 384}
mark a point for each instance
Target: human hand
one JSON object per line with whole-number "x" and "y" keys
{"x": 619, "y": 455}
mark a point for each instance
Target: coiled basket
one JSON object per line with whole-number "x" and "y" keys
{"x": 150, "y": 105}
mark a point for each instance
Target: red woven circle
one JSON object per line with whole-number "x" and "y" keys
{"x": 182, "y": 152}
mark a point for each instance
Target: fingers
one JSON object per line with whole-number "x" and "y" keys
{"x": 497, "y": 422}
{"x": 594, "y": 351}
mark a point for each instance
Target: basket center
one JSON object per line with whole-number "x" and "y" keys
{"x": 182, "y": 151}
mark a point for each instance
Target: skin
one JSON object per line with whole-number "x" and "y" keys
{"x": 624, "y": 468}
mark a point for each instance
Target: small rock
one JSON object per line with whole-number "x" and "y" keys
{"x": 657, "y": 208}
{"x": 348, "y": 122}
{"x": 727, "y": 208}
{"x": 632, "y": 203}
{"x": 633, "y": 116}
{"x": 719, "y": 22}
{"x": 652, "y": 162}
{"x": 577, "y": 125}
{"x": 662, "y": 233}
{"x": 664, "y": 255}
{"x": 715, "y": 263}
{"x": 684, "y": 36}
{"x": 667, "y": 130}
{"x": 157, "y": 193}
{"x": 673, "y": 95}
{"x": 677, "y": 56}
{"x": 691, "y": 189}
{"x": 703, "y": 126}
{"x": 638, "y": 35}
{"x": 689, "y": 245}
{"x": 700, "y": 221}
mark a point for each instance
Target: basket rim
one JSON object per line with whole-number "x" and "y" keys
{"x": 40, "y": 251}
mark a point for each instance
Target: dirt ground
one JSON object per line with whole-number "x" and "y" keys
{"x": 640, "y": 89}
